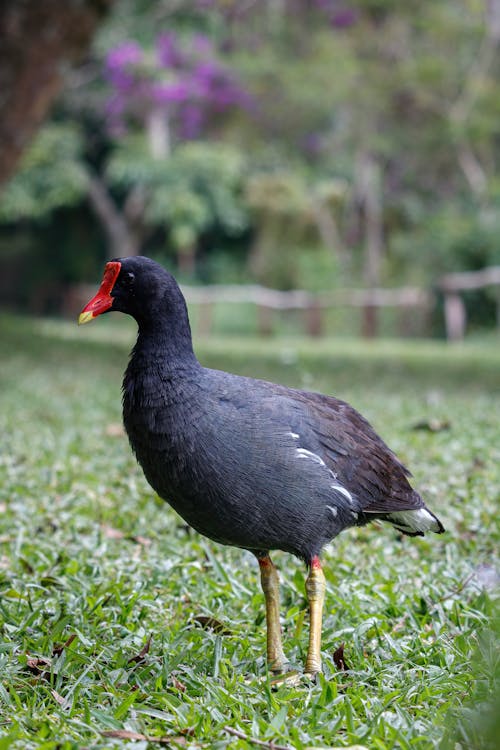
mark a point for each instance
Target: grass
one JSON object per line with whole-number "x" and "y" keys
{"x": 92, "y": 566}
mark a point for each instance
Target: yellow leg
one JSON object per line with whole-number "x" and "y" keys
{"x": 271, "y": 588}
{"x": 315, "y": 589}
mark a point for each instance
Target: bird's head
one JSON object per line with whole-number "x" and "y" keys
{"x": 137, "y": 286}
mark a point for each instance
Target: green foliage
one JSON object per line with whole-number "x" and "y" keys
{"x": 279, "y": 193}
{"x": 198, "y": 187}
{"x": 51, "y": 175}
{"x": 279, "y": 184}
{"x": 88, "y": 552}
{"x": 454, "y": 238}
{"x": 287, "y": 213}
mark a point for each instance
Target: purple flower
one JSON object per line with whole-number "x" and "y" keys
{"x": 340, "y": 15}
{"x": 202, "y": 45}
{"x": 127, "y": 53}
{"x": 191, "y": 121}
{"x": 115, "y": 106}
{"x": 203, "y": 76}
{"x": 115, "y": 109}
{"x": 169, "y": 53}
{"x": 120, "y": 63}
{"x": 344, "y": 18}
{"x": 187, "y": 79}
{"x": 177, "y": 91}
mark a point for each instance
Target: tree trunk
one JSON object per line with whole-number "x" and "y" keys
{"x": 158, "y": 130}
{"x": 475, "y": 81}
{"x": 122, "y": 239}
{"x": 370, "y": 191}
{"x": 38, "y": 38}
{"x": 186, "y": 260}
{"x": 329, "y": 231}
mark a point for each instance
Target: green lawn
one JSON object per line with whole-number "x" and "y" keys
{"x": 92, "y": 565}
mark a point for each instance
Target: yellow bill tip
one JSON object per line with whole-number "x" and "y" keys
{"x": 85, "y": 317}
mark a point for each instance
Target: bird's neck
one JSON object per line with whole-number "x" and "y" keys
{"x": 164, "y": 343}
{"x": 161, "y": 368}
{"x": 164, "y": 346}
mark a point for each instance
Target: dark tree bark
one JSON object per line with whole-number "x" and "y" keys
{"x": 38, "y": 38}
{"x": 125, "y": 230}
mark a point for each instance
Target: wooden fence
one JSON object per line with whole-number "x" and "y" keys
{"x": 311, "y": 305}
{"x": 405, "y": 300}
{"x": 452, "y": 286}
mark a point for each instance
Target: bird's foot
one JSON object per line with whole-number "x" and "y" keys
{"x": 277, "y": 676}
{"x": 293, "y": 678}
{"x": 311, "y": 677}
{"x": 279, "y": 666}
{"x": 289, "y": 678}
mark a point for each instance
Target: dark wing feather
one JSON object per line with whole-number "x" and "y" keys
{"x": 361, "y": 460}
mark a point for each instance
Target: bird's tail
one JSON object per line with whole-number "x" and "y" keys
{"x": 414, "y": 522}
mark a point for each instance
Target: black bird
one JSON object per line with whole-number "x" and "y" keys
{"x": 246, "y": 462}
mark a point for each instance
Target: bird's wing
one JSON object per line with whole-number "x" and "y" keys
{"x": 352, "y": 450}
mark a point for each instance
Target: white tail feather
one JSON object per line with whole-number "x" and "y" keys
{"x": 419, "y": 520}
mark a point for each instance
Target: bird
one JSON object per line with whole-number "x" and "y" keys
{"x": 246, "y": 462}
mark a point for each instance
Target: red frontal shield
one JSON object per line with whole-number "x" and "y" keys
{"x": 103, "y": 299}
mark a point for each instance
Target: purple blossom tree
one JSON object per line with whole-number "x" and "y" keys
{"x": 174, "y": 92}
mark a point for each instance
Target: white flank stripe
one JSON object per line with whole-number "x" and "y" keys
{"x": 343, "y": 491}
{"x": 333, "y": 510}
{"x": 303, "y": 453}
{"x": 295, "y": 435}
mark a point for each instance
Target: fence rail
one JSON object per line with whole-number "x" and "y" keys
{"x": 299, "y": 299}
{"x": 451, "y": 285}
{"x": 313, "y": 305}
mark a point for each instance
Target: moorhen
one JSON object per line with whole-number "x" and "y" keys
{"x": 247, "y": 462}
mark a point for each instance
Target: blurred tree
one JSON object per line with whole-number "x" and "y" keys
{"x": 198, "y": 187}
{"x": 369, "y": 127}
{"x": 174, "y": 93}
{"x": 300, "y": 218}
{"x": 52, "y": 176}
{"x": 155, "y": 101}
{"x": 159, "y": 100}
{"x": 37, "y": 40}
{"x": 398, "y": 99}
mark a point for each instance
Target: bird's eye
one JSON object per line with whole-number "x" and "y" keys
{"x": 129, "y": 278}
